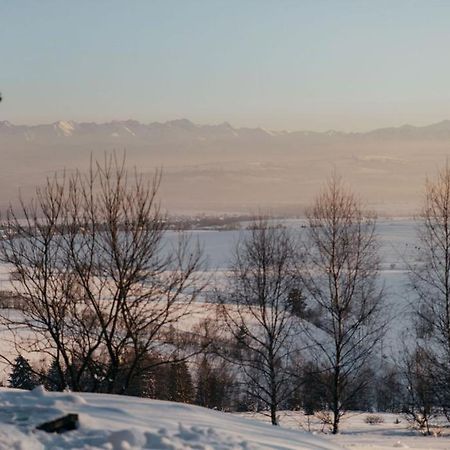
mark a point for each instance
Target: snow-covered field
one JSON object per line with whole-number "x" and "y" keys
{"x": 356, "y": 434}
{"x": 114, "y": 422}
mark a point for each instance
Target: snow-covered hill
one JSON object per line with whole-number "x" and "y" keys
{"x": 125, "y": 423}
{"x": 112, "y": 422}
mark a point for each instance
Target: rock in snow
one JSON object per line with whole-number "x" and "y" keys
{"x": 113, "y": 422}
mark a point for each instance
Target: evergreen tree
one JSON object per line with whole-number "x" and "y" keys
{"x": 22, "y": 375}
{"x": 309, "y": 392}
{"x": 214, "y": 385}
{"x": 180, "y": 386}
{"x": 151, "y": 380}
{"x": 54, "y": 380}
{"x": 202, "y": 396}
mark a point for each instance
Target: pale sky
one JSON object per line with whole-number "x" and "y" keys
{"x": 347, "y": 65}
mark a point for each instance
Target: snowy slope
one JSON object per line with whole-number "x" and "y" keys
{"x": 356, "y": 434}
{"x": 124, "y": 423}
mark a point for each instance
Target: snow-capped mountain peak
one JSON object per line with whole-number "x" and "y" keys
{"x": 65, "y": 127}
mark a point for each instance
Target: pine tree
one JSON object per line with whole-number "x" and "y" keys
{"x": 22, "y": 375}
{"x": 54, "y": 381}
{"x": 203, "y": 392}
{"x": 213, "y": 386}
{"x": 180, "y": 386}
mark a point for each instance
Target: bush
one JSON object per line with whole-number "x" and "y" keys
{"x": 373, "y": 419}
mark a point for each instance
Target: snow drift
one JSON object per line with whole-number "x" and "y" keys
{"x": 114, "y": 422}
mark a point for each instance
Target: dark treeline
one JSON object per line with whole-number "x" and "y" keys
{"x": 297, "y": 322}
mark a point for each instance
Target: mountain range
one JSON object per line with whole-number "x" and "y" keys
{"x": 221, "y": 168}
{"x": 184, "y": 128}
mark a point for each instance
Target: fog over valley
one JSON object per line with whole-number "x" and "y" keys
{"x": 222, "y": 168}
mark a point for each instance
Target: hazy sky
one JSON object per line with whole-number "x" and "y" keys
{"x": 280, "y": 64}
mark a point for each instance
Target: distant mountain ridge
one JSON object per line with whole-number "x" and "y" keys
{"x": 132, "y": 128}
{"x": 125, "y": 128}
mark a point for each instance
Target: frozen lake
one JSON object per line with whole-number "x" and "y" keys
{"x": 397, "y": 248}
{"x": 397, "y": 239}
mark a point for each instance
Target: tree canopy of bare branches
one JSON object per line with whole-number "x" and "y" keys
{"x": 101, "y": 292}
{"x": 257, "y": 312}
{"x": 430, "y": 280}
{"x": 341, "y": 284}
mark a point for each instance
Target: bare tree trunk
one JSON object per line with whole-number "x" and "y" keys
{"x": 273, "y": 390}
{"x": 336, "y": 400}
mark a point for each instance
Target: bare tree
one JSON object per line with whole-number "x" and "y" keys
{"x": 430, "y": 281}
{"x": 257, "y": 313}
{"x": 420, "y": 404}
{"x": 102, "y": 293}
{"x": 341, "y": 284}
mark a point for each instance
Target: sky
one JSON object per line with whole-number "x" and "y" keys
{"x": 280, "y": 64}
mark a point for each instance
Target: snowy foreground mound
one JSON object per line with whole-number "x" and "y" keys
{"x": 123, "y": 423}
